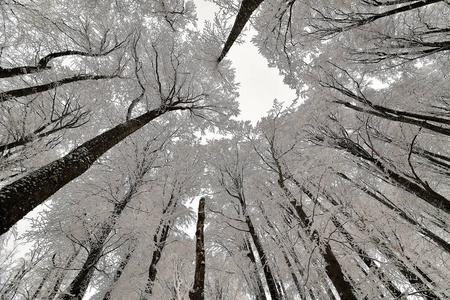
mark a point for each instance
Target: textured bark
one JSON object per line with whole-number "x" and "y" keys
{"x": 244, "y": 13}
{"x": 5, "y": 96}
{"x": 198, "y": 290}
{"x": 23, "y": 195}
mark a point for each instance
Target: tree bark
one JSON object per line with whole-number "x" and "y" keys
{"x": 160, "y": 238}
{"x": 198, "y": 290}
{"x": 5, "y": 96}
{"x": 43, "y": 62}
{"x": 244, "y": 13}
{"x": 426, "y": 193}
{"x": 271, "y": 284}
{"x": 260, "y": 294}
{"x": 78, "y": 286}
{"x": 23, "y": 195}
{"x": 333, "y": 268}
{"x": 422, "y": 229}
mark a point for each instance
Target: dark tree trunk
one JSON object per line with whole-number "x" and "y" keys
{"x": 351, "y": 21}
{"x": 422, "y": 229}
{"x": 160, "y": 239}
{"x": 260, "y": 294}
{"x": 5, "y": 96}
{"x": 198, "y": 290}
{"x": 79, "y": 284}
{"x": 280, "y": 244}
{"x": 333, "y": 268}
{"x": 160, "y": 242}
{"x": 24, "y": 194}
{"x": 402, "y": 117}
{"x": 245, "y": 11}
{"x": 413, "y": 279}
{"x": 422, "y": 191}
{"x": 43, "y": 62}
{"x": 271, "y": 283}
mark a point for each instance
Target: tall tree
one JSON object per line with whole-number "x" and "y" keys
{"x": 198, "y": 290}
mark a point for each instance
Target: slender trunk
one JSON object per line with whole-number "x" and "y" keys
{"x": 360, "y": 21}
{"x": 368, "y": 261}
{"x": 332, "y": 267}
{"x": 62, "y": 274}
{"x": 422, "y": 229}
{"x": 23, "y": 195}
{"x": 160, "y": 243}
{"x": 402, "y": 117}
{"x": 245, "y": 11}
{"x": 119, "y": 271}
{"x": 271, "y": 283}
{"x": 43, "y": 62}
{"x": 197, "y": 291}
{"x": 422, "y": 191}
{"x": 78, "y": 286}
{"x": 80, "y": 283}
{"x": 281, "y": 245}
{"x": 5, "y": 96}
{"x": 160, "y": 238}
{"x": 412, "y": 278}
{"x": 44, "y": 279}
{"x": 416, "y": 282}
{"x": 260, "y": 293}
{"x": 10, "y": 289}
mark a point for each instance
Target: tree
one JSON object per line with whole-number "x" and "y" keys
{"x": 341, "y": 195}
{"x": 197, "y": 292}
{"x": 178, "y": 91}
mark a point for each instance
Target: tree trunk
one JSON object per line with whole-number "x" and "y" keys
{"x": 281, "y": 245}
{"x": 422, "y": 229}
{"x": 245, "y": 11}
{"x": 160, "y": 238}
{"x": 23, "y": 195}
{"x": 78, "y": 286}
{"x": 271, "y": 284}
{"x": 422, "y": 191}
{"x": 197, "y": 292}
{"x": 62, "y": 274}
{"x": 43, "y": 62}
{"x": 119, "y": 271}
{"x": 5, "y": 96}
{"x": 260, "y": 294}
{"x": 160, "y": 242}
{"x": 333, "y": 268}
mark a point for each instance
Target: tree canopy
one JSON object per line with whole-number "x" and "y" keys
{"x": 118, "y": 120}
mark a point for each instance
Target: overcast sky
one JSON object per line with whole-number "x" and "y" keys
{"x": 259, "y": 84}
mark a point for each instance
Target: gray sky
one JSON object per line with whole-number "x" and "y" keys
{"x": 259, "y": 84}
